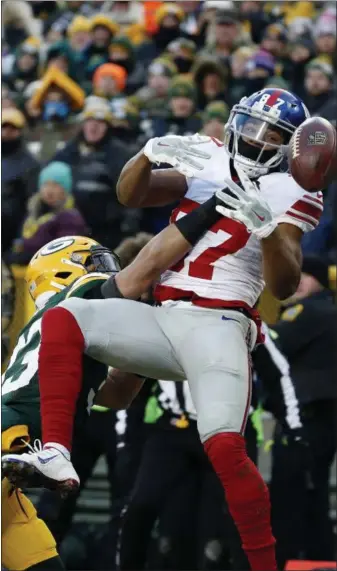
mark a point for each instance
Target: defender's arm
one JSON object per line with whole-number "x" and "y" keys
{"x": 164, "y": 250}
{"x": 119, "y": 390}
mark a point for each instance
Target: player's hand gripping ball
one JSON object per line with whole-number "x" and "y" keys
{"x": 312, "y": 154}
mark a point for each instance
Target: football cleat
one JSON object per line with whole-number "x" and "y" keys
{"x": 41, "y": 467}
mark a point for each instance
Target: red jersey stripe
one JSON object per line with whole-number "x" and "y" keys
{"x": 305, "y": 208}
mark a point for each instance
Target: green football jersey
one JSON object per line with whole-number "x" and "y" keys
{"x": 20, "y": 386}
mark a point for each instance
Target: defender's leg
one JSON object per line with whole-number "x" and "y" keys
{"x": 26, "y": 541}
{"x": 117, "y": 332}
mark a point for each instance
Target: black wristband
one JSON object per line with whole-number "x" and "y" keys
{"x": 196, "y": 223}
{"x": 110, "y": 289}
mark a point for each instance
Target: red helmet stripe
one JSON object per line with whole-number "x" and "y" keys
{"x": 274, "y": 97}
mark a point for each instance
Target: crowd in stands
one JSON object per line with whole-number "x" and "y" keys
{"x": 87, "y": 83}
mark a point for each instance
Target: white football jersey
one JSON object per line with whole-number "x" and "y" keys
{"x": 225, "y": 267}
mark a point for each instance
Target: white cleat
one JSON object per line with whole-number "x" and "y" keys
{"x": 48, "y": 467}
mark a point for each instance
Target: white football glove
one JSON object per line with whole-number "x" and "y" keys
{"x": 179, "y": 152}
{"x": 246, "y": 206}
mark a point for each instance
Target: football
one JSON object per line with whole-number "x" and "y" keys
{"x": 312, "y": 154}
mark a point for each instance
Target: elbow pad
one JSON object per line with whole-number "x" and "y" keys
{"x": 110, "y": 289}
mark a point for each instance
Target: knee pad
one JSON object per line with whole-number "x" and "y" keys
{"x": 25, "y": 538}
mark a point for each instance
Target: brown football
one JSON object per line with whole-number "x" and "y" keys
{"x": 312, "y": 154}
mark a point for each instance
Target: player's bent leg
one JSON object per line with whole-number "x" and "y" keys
{"x": 117, "y": 332}
{"x": 219, "y": 377}
{"x": 26, "y": 540}
{"x": 125, "y": 334}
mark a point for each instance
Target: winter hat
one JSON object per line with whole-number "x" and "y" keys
{"x": 317, "y": 268}
{"x": 79, "y": 24}
{"x": 299, "y": 27}
{"x": 180, "y": 87}
{"x": 226, "y": 17}
{"x": 124, "y": 45}
{"x": 276, "y": 31}
{"x": 216, "y": 110}
{"x": 326, "y": 23}
{"x": 58, "y": 49}
{"x": 97, "y": 108}
{"x": 105, "y": 22}
{"x": 304, "y": 41}
{"x": 278, "y": 82}
{"x": 13, "y": 117}
{"x": 116, "y": 72}
{"x": 261, "y": 60}
{"x": 29, "y": 47}
{"x": 57, "y": 172}
{"x": 322, "y": 66}
{"x": 187, "y": 46}
{"x": 163, "y": 66}
{"x": 218, "y": 5}
{"x": 169, "y": 9}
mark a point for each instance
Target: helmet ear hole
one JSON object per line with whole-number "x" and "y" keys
{"x": 63, "y": 275}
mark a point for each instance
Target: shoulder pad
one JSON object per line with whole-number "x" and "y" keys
{"x": 84, "y": 281}
{"x": 292, "y": 313}
{"x": 290, "y": 203}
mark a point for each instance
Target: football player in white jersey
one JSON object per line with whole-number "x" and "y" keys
{"x": 205, "y": 325}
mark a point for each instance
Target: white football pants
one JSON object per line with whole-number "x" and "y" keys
{"x": 208, "y": 347}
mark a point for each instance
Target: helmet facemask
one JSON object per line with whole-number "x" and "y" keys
{"x": 101, "y": 259}
{"x": 255, "y": 141}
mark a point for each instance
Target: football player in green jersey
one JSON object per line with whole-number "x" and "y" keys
{"x": 71, "y": 267}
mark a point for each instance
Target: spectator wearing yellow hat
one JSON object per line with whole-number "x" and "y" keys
{"x": 168, "y": 19}
{"x": 57, "y": 97}
{"x": 79, "y": 34}
{"x": 122, "y": 52}
{"x": 18, "y": 174}
{"x": 103, "y": 30}
{"x": 182, "y": 118}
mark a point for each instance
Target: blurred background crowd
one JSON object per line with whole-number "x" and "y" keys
{"x": 84, "y": 85}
